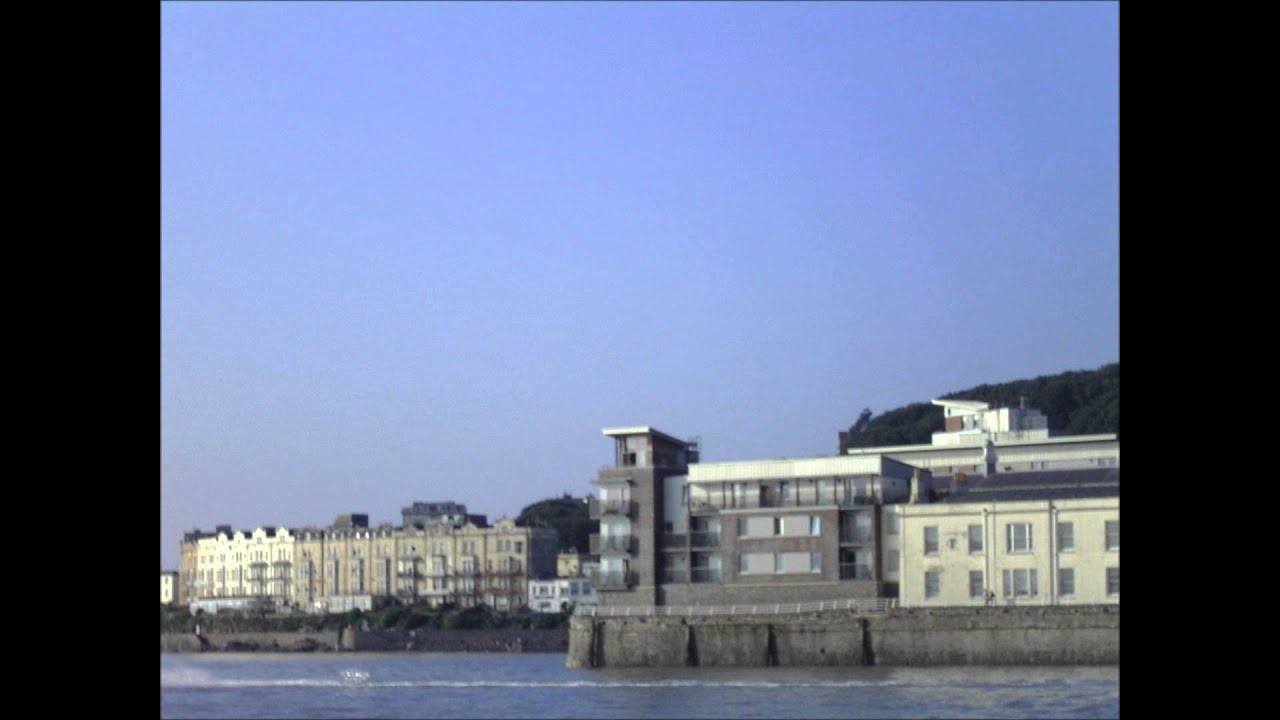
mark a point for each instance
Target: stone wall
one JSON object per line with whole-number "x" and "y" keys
{"x": 500, "y": 640}
{"x": 325, "y": 641}
{"x": 1076, "y": 635}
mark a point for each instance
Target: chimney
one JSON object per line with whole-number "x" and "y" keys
{"x": 843, "y": 437}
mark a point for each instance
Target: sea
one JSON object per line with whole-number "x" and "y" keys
{"x": 538, "y": 685}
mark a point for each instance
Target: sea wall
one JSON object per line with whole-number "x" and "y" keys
{"x": 936, "y": 636}
{"x": 354, "y": 640}
{"x": 325, "y": 641}
{"x": 499, "y": 640}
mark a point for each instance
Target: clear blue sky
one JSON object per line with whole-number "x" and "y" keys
{"x": 427, "y": 251}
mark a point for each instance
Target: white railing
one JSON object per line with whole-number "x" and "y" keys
{"x": 864, "y": 605}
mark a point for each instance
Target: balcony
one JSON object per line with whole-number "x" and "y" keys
{"x": 673, "y": 541}
{"x": 602, "y": 580}
{"x": 602, "y": 544}
{"x": 705, "y": 539}
{"x": 704, "y": 574}
{"x": 860, "y": 501}
{"x": 675, "y": 575}
{"x": 855, "y": 535}
{"x": 597, "y": 509}
{"x": 703, "y": 507}
{"x": 852, "y": 571}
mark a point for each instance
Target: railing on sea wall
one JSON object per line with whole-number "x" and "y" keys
{"x": 863, "y": 605}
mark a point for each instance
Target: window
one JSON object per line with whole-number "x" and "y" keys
{"x": 1066, "y": 537}
{"x": 1019, "y": 537}
{"x": 891, "y": 523}
{"x": 932, "y": 584}
{"x": 931, "y": 540}
{"x": 1113, "y": 534}
{"x": 977, "y": 588}
{"x": 892, "y": 561}
{"x": 1113, "y": 581}
{"x": 519, "y": 546}
{"x": 1020, "y": 583}
{"x": 777, "y": 526}
{"x": 1066, "y": 581}
{"x": 815, "y": 525}
{"x": 815, "y": 562}
{"x": 975, "y": 538}
{"x": 777, "y": 562}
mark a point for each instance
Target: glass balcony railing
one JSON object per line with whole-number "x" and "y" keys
{"x": 601, "y": 544}
{"x": 597, "y": 509}
{"x": 702, "y": 574}
{"x": 852, "y": 571}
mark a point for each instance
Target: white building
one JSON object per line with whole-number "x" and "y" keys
{"x": 168, "y": 586}
{"x": 560, "y": 594}
{"x": 979, "y": 439}
{"x": 1031, "y": 538}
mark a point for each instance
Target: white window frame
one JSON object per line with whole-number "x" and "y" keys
{"x": 981, "y": 544}
{"x": 1018, "y": 538}
{"x": 1020, "y": 582}
{"x": 979, "y": 591}
{"x": 931, "y": 544}
{"x": 1066, "y": 537}
{"x": 1066, "y": 582}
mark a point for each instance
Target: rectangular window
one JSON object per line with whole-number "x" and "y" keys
{"x": 815, "y": 562}
{"x": 742, "y": 526}
{"x": 977, "y": 589}
{"x": 892, "y": 561}
{"x": 777, "y": 562}
{"x": 1113, "y": 581}
{"x": 1066, "y": 537}
{"x": 756, "y": 563}
{"x": 815, "y": 525}
{"x": 519, "y": 546}
{"x": 1066, "y": 581}
{"x": 975, "y": 538}
{"x": 1020, "y": 583}
{"x": 1113, "y": 534}
{"x": 777, "y": 526}
{"x": 891, "y": 523}
{"x": 1019, "y": 537}
{"x": 932, "y": 584}
{"x": 931, "y": 540}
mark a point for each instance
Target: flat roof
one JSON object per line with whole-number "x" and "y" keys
{"x": 641, "y": 430}
{"x": 962, "y": 404}
{"x": 1056, "y": 440}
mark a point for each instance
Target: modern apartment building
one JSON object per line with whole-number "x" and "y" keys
{"x": 1029, "y": 538}
{"x": 685, "y": 533}
{"x": 675, "y": 531}
{"x": 632, "y": 512}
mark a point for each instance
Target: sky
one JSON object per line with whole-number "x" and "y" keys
{"x": 427, "y": 251}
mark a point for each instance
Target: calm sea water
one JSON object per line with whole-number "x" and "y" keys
{"x": 428, "y": 685}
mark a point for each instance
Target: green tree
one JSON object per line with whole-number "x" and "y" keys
{"x": 566, "y": 515}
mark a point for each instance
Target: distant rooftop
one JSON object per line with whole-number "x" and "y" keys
{"x": 642, "y": 430}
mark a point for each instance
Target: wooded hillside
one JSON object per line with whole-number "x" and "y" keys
{"x": 1077, "y": 403}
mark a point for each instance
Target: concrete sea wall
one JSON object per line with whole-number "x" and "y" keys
{"x": 936, "y": 636}
{"x": 501, "y": 640}
{"x": 250, "y": 642}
